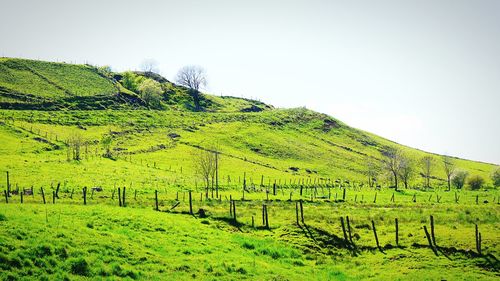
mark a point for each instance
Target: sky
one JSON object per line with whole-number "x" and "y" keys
{"x": 423, "y": 73}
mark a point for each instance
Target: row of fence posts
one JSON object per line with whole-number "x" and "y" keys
{"x": 431, "y": 237}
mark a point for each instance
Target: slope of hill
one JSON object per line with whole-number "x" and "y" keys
{"x": 66, "y": 218}
{"x": 39, "y": 85}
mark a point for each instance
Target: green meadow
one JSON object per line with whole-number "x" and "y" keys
{"x": 277, "y": 158}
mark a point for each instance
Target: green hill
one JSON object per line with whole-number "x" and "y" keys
{"x": 39, "y": 85}
{"x": 73, "y": 224}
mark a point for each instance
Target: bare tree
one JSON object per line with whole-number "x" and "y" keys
{"x": 406, "y": 170}
{"x": 204, "y": 163}
{"x": 427, "y": 166}
{"x": 207, "y": 164}
{"x": 75, "y": 142}
{"x": 392, "y": 163}
{"x": 449, "y": 168}
{"x": 149, "y": 65}
{"x": 192, "y": 77}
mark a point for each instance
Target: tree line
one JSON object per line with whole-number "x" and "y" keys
{"x": 402, "y": 169}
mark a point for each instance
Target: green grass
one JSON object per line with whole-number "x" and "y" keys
{"x": 297, "y": 148}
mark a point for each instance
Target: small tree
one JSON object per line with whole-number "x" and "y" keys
{"x": 150, "y": 92}
{"x": 495, "y": 177}
{"x": 449, "y": 168}
{"x": 459, "y": 179}
{"x": 372, "y": 171}
{"x": 392, "y": 163}
{"x": 75, "y": 142}
{"x": 204, "y": 164}
{"x": 476, "y": 182}
{"x": 150, "y": 65}
{"x": 406, "y": 170}
{"x": 193, "y": 77}
{"x": 106, "y": 142}
{"x": 427, "y": 166}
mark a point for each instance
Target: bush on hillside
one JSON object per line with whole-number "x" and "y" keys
{"x": 476, "y": 182}
{"x": 459, "y": 178}
{"x": 495, "y": 177}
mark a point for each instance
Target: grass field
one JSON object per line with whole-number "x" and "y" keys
{"x": 274, "y": 157}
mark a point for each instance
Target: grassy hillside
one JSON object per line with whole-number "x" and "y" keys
{"x": 280, "y": 145}
{"x": 31, "y": 84}
{"x": 271, "y": 159}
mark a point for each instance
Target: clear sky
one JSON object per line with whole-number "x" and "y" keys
{"x": 424, "y": 73}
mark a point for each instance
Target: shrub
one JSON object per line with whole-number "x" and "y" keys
{"x": 458, "y": 180}
{"x": 79, "y": 266}
{"x": 476, "y": 182}
{"x": 495, "y": 177}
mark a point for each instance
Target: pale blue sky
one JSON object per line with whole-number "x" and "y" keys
{"x": 422, "y": 73}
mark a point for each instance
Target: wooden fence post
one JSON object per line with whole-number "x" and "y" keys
{"x": 375, "y": 199}
{"x": 85, "y": 195}
{"x": 430, "y": 241}
{"x": 343, "y": 195}
{"x": 6, "y": 196}
{"x": 234, "y": 212}
{"x": 123, "y": 197}
{"x": 397, "y": 232}
{"x": 349, "y": 230}
{"x": 53, "y": 197}
{"x": 57, "y": 190}
{"x": 190, "y": 204}
{"x": 43, "y": 195}
{"x": 297, "y": 212}
{"x": 346, "y": 240}
{"x": 156, "y": 200}
{"x": 432, "y": 232}
{"x": 376, "y": 237}
{"x": 267, "y": 217}
{"x": 119, "y": 197}
{"x": 22, "y": 194}
{"x": 8, "y": 184}
{"x": 478, "y": 240}
{"x": 302, "y": 212}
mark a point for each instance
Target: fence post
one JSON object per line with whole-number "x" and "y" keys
{"x": 344, "y": 231}
{"x": 190, "y": 204}
{"x": 376, "y": 237}
{"x": 234, "y": 212}
{"x": 397, "y": 232}
{"x": 43, "y": 195}
{"x": 156, "y": 200}
{"x": 6, "y": 196}
{"x": 119, "y": 197}
{"x": 123, "y": 197}
{"x": 57, "y": 190}
{"x": 432, "y": 231}
{"x": 297, "y": 212}
{"x": 349, "y": 230}
{"x": 53, "y": 197}
{"x": 8, "y": 185}
{"x": 429, "y": 240}
{"x": 267, "y": 217}
{"x": 85, "y": 195}
{"x": 302, "y": 212}
{"x": 22, "y": 194}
